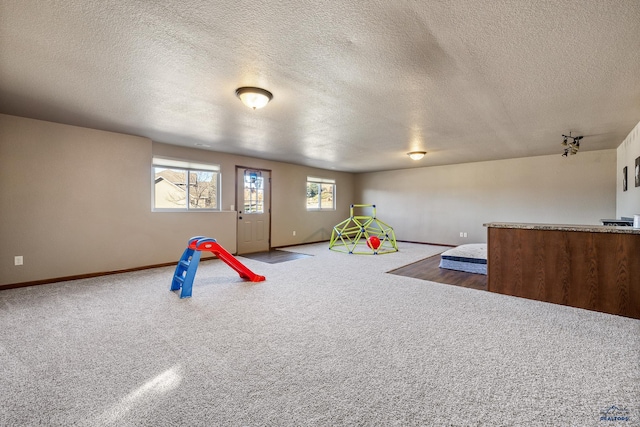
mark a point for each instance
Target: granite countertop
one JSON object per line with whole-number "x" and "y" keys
{"x": 565, "y": 227}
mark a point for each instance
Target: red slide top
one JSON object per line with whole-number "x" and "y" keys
{"x": 210, "y": 245}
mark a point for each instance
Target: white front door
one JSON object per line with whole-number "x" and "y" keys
{"x": 253, "y": 196}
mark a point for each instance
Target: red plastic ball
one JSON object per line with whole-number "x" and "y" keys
{"x": 373, "y": 242}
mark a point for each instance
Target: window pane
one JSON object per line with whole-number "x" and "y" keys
{"x": 170, "y": 188}
{"x": 313, "y": 192}
{"x": 326, "y": 200}
{"x": 203, "y": 190}
{"x": 253, "y": 192}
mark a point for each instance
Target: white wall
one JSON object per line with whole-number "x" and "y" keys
{"x": 435, "y": 204}
{"x": 628, "y": 202}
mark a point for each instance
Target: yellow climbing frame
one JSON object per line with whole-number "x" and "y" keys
{"x": 351, "y": 235}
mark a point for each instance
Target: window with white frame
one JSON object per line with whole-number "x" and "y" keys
{"x": 180, "y": 185}
{"x": 321, "y": 193}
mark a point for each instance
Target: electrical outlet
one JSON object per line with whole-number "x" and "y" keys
{"x": 19, "y": 260}
{"x": 294, "y": 233}
{"x": 465, "y": 235}
{"x": 461, "y": 234}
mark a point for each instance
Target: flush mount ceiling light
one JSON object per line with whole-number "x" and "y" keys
{"x": 572, "y": 144}
{"x": 416, "y": 155}
{"x": 254, "y": 97}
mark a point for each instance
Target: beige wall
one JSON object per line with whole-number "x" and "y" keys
{"x": 435, "y": 204}
{"x": 288, "y": 195}
{"x": 77, "y": 201}
{"x": 628, "y": 202}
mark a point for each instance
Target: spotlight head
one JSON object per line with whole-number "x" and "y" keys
{"x": 572, "y": 144}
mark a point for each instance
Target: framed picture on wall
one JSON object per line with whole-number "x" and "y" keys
{"x": 624, "y": 178}
{"x": 637, "y": 171}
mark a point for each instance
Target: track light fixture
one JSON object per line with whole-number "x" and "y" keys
{"x": 572, "y": 143}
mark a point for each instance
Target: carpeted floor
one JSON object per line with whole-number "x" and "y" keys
{"x": 327, "y": 340}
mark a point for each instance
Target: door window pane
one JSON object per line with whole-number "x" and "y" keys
{"x": 253, "y": 192}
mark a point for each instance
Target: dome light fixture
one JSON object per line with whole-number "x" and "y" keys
{"x": 254, "y": 97}
{"x": 416, "y": 155}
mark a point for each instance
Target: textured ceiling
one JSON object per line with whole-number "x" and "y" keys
{"x": 356, "y": 84}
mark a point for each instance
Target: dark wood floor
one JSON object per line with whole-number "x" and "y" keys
{"x": 428, "y": 269}
{"x": 275, "y": 256}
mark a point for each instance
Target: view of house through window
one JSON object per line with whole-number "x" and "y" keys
{"x": 185, "y": 185}
{"x": 321, "y": 194}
